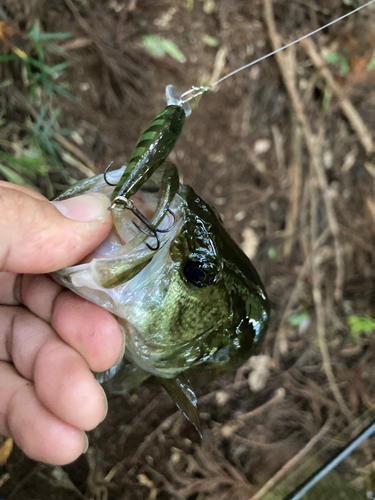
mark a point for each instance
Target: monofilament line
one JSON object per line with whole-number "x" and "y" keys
{"x": 196, "y": 91}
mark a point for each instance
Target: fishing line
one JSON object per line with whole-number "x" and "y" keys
{"x": 196, "y": 91}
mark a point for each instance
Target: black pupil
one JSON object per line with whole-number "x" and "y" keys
{"x": 196, "y": 275}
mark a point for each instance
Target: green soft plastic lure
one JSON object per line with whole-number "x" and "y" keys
{"x": 191, "y": 299}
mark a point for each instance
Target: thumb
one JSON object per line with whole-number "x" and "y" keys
{"x": 37, "y": 236}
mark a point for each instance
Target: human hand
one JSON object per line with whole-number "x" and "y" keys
{"x": 51, "y": 339}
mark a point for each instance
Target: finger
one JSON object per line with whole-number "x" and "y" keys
{"x": 62, "y": 378}
{"x": 37, "y": 238}
{"x": 67, "y": 388}
{"x": 86, "y": 327}
{"x": 89, "y": 329}
{"x": 36, "y": 291}
{"x": 39, "y": 433}
{"x": 39, "y": 293}
{"x": 9, "y": 288}
{"x": 22, "y": 189}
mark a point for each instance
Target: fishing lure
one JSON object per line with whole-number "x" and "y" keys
{"x": 182, "y": 290}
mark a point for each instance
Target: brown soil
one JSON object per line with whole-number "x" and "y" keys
{"x": 301, "y": 196}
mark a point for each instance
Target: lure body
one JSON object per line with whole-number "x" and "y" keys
{"x": 195, "y": 300}
{"x": 152, "y": 149}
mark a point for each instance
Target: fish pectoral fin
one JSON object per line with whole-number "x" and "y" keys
{"x": 123, "y": 377}
{"x": 182, "y": 393}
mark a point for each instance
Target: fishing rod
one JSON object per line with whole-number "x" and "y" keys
{"x": 325, "y": 469}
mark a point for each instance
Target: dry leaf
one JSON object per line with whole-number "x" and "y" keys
{"x": 250, "y": 242}
{"x": 5, "y": 451}
{"x": 370, "y": 205}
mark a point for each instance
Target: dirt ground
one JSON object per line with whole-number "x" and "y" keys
{"x": 285, "y": 151}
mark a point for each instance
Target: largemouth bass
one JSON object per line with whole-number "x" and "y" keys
{"x": 181, "y": 288}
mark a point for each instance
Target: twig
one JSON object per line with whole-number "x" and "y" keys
{"x": 35, "y": 469}
{"x": 84, "y": 164}
{"x": 293, "y": 461}
{"x": 310, "y": 143}
{"x": 320, "y": 314}
{"x": 82, "y": 22}
{"x": 232, "y": 425}
{"x": 219, "y": 64}
{"x": 347, "y": 107}
{"x": 139, "y": 419}
{"x": 166, "y": 424}
{"x": 295, "y": 182}
{"x": 141, "y": 448}
{"x": 293, "y": 297}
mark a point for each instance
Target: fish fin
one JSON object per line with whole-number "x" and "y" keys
{"x": 102, "y": 377}
{"x": 182, "y": 393}
{"x": 127, "y": 377}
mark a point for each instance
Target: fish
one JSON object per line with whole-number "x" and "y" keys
{"x": 185, "y": 294}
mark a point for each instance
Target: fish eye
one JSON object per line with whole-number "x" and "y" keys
{"x": 198, "y": 274}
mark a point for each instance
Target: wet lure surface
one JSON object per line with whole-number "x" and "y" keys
{"x": 180, "y": 287}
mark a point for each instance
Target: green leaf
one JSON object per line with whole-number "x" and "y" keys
{"x": 37, "y": 36}
{"x": 58, "y": 69}
{"x": 51, "y": 121}
{"x": 10, "y": 57}
{"x": 153, "y": 46}
{"x": 5, "y": 83}
{"x": 60, "y": 90}
{"x": 371, "y": 64}
{"x": 34, "y": 32}
{"x": 299, "y": 318}
{"x": 272, "y": 253}
{"x": 14, "y": 177}
{"x": 32, "y": 163}
{"x": 334, "y": 57}
{"x": 40, "y": 118}
{"x": 157, "y": 46}
{"x": 210, "y": 40}
{"x": 53, "y": 47}
{"x": 360, "y": 324}
{"x": 53, "y": 36}
{"x": 54, "y": 71}
{"x": 172, "y": 49}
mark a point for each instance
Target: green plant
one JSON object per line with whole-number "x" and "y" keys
{"x": 360, "y": 324}
{"x": 157, "y": 46}
{"x": 36, "y": 72}
{"x": 43, "y": 133}
{"x": 335, "y": 57}
{"x": 31, "y": 162}
{"x": 35, "y": 156}
{"x": 371, "y": 64}
{"x": 297, "y": 319}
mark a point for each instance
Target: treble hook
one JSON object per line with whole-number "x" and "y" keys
{"x": 129, "y": 205}
{"x": 170, "y": 227}
{"x": 154, "y": 234}
{"x": 105, "y": 176}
